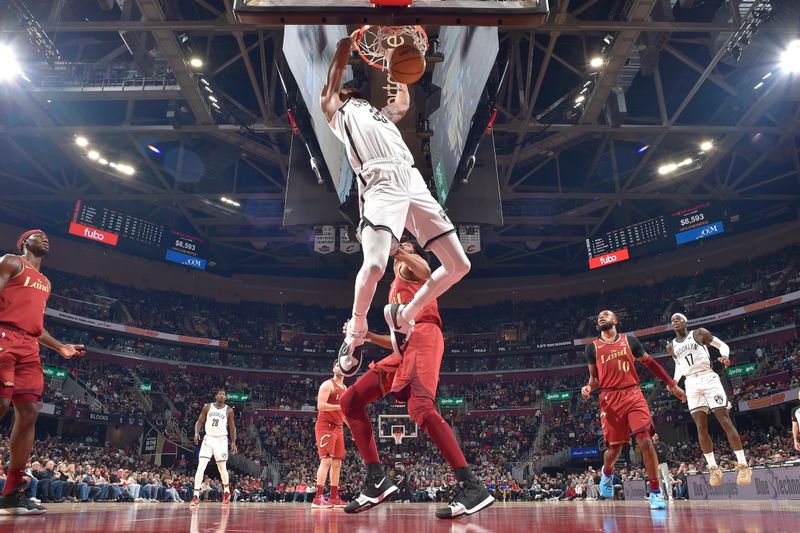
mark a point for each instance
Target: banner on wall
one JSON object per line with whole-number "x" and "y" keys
{"x": 86, "y": 321}
{"x": 745, "y": 309}
{"x": 346, "y": 245}
{"x": 768, "y": 401}
{"x": 781, "y": 483}
{"x": 324, "y": 239}
{"x": 470, "y": 237}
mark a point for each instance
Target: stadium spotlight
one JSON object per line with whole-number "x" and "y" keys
{"x": 93, "y": 155}
{"x": 83, "y": 142}
{"x": 125, "y": 169}
{"x": 9, "y": 67}
{"x": 790, "y": 58}
{"x": 667, "y": 169}
{"x": 103, "y": 161}
{"x": 705, "y": 146}
{"x": 196, "y": 62}
{"x": 596, "y": 62}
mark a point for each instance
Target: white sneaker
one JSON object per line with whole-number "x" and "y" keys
{"x": 400, "y": 329}
{"x": 350, "y": 352}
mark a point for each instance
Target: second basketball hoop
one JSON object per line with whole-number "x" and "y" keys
{"x": 377, "y": 46}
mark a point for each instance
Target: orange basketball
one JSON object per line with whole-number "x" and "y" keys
{"x": 406, "y": 64}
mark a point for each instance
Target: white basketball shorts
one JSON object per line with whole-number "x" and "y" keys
{"x": 393, "y": 196}
{"x": 216, "y": 447}
{"x": 705, "y": 391}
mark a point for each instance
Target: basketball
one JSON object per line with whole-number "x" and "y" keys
{"x": 406, "y": 64}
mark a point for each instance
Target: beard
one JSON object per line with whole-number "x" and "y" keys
{"x": 605, "y": 327}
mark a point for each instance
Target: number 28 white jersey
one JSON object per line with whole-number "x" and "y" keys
{"x": 691, "y": 357}
{"x": 217, "y": 421}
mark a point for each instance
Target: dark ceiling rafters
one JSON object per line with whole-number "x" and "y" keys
{"x": 560, "y": 182}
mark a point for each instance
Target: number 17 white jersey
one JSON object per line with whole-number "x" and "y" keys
{"x": 691, "y": 357}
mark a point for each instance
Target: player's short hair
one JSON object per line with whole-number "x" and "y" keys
{"x": 218, "y": 390}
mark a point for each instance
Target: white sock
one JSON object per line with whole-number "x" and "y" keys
{"x": 740, "y": 458}
{"x": 710, "y": 459}
{"x": 227, "y": 489}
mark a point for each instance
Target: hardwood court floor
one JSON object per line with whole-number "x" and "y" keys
{"x": 545, "y": 517}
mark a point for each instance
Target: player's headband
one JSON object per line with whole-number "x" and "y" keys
{"x": 24, "y": 237}
{"x": 681, "y": 316}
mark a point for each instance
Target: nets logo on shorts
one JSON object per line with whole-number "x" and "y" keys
{"x": 444, "y": 216}
{"x": 719, "y": 399}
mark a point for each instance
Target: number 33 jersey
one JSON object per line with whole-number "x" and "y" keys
{"x": 368, "y": 135}
{"x": 691, "y": 357}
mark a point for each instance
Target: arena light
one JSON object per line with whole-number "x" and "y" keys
{"x": 196, "y": 62}
{"x": 706, "y": 146}
{"x": 667, "y": 169}
{"x": 83, "y": 142}
{"x": 94, "y": 155}
{"x": 125, "y": 169}
{"x": 204, "y": 81}
{"x": 580, "y": 99}
{"x": 153, "y": 148}
{"x": 213, "y": 98}
{"x": 226, "y": 200}
{"x": 790, "y": 58}
{"x": 596, "y": 62}
{"x": 9, "y": 67}
{"x": 758, "y": 85}
{"x": 103, "y": 161}
{"x": 643, "y": 149}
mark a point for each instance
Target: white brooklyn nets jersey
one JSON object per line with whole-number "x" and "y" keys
{"x": 217, "y": 421}
{"x": 368, "y": 135}
{"x": 691, "y": 357}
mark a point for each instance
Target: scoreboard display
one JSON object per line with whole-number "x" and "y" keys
{"x": 658, "y": 234}
{"x": 136, "y": 235}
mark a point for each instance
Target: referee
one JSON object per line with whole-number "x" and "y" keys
{"x": 663, "y": 468}
{"x": 796, "y": 424}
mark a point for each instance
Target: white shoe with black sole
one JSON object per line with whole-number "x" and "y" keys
{"x": 469, "y": 498}
{"x": 399, "y": 329}
{"x": 350, "y": 353}
{"x": 377, "y": 490}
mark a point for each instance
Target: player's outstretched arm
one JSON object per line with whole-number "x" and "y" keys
{"x": 677, "y": 375}
{"x": 795, "y": 429}
{"x": 704, "y": 336}
{"x": 654, "y": 367}
{"x": 329, "y": 99}
{"x": 384, "y": 341}
{"x": 232, "y": 431}
{"x": 67, "y": 351}
{"x": 413, "y": 263}
{"x": 398, "y": 109}
{"x": 200, "y": 421}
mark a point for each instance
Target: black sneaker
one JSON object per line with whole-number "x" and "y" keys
{"x": 17, "y": 503}
{"x": 399, "y": 329}
{"x": 469, "y": 497}
{"x": 377, "y": 490}
{"x": 350, "y": 354}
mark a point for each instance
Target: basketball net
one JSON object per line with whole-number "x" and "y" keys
{"x": 375, "y": 43}
{"x": 398, "y": 437}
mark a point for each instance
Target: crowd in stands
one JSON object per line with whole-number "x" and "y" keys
{"x": 515, "y": 325}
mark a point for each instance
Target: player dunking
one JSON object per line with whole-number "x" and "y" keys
{"x": 330, "y": 439}
{"x": 24, "y": 291}
{"x": 412, "y": 378}
{"x": 623, "y": 409}
{"x": 704, "y": 391}
{"x": 392, "y": 197}
{"x": 218, "y": 420}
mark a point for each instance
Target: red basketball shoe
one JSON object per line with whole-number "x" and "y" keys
{"x": 195, "y": 501}
{"x": 337, "y": 502}
{"x": 320, "y": 503}
{"x": 226, "y": 498}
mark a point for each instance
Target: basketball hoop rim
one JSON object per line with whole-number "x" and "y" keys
{"x": 398, "y": 437}
{"x": 380, "y": 60}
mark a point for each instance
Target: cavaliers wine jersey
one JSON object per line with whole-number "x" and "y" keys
{"x": 615, "y": 361}
{"x": 24, "y": 298}
{"x": 335, "y": 418}
{"x": 691, "y": 357}
{"x": 367, "y": 134}
{"x": 217, "y": 421}
{"x": 402, "y": 291}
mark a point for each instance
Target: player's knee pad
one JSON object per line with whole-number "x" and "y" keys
{"x": 421, "y": 409}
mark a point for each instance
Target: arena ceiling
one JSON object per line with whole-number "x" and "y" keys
{"x": 564, "y": 175}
